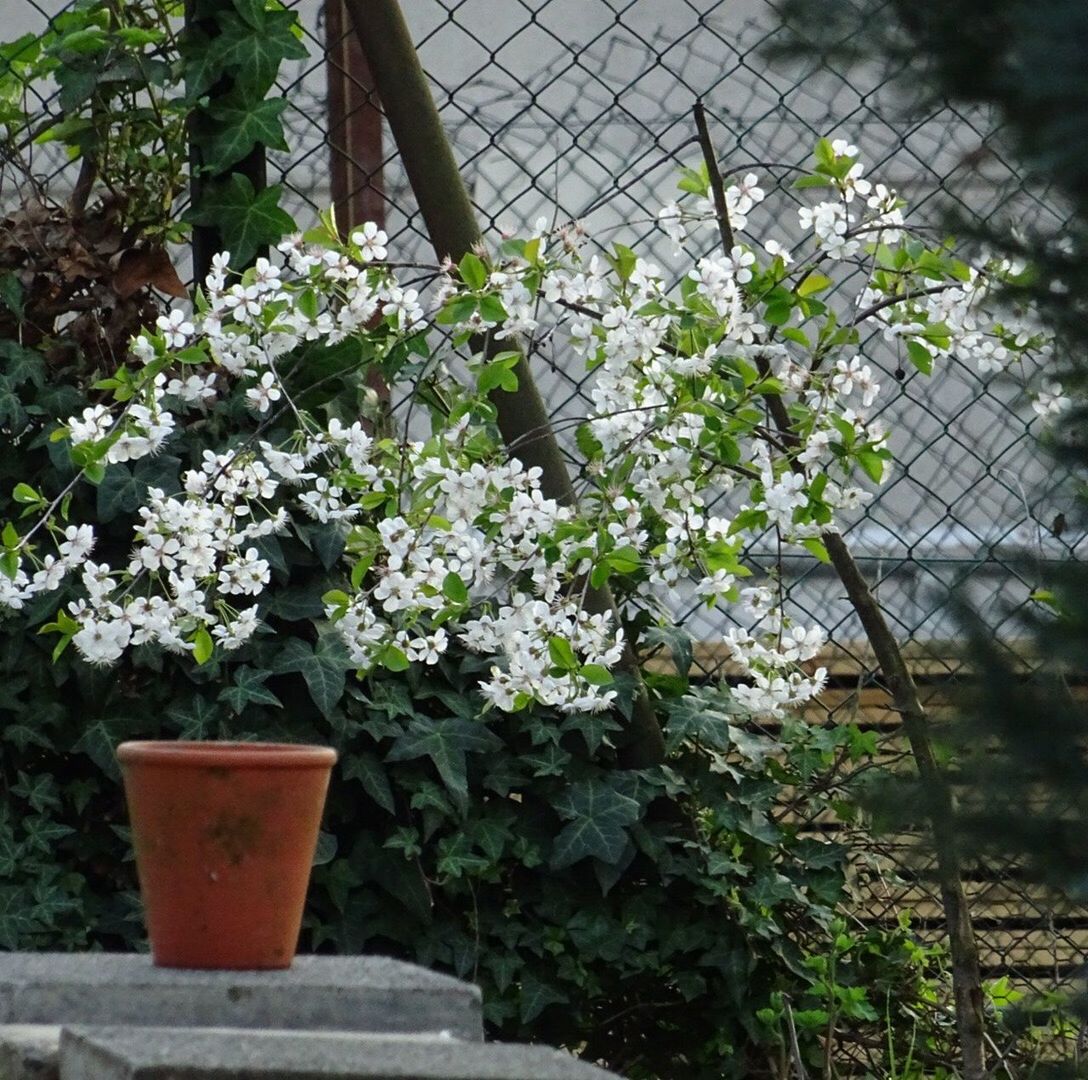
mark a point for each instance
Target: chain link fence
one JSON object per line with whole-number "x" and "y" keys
{"x": 582, "y": 110}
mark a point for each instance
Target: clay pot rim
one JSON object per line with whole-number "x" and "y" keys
{"x": 232, "y": 755}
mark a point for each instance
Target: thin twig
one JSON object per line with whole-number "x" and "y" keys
{"x": 717, "y": 186}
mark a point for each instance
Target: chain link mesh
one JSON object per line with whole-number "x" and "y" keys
{"x": 582, "y": 110}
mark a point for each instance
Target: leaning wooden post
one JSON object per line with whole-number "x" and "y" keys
{"x": 451, "y": 224}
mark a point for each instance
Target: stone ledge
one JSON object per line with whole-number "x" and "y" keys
{"x": 29, "y": 1051}
{"x": 224, "y": 1054}
{"x": 331, "y": 993}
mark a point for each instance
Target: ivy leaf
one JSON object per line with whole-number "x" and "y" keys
{"x": 324, "y": 668}
{"x": 294, "y": 603}
{"x": 456, "y": 857}
{"x": 252, "y": 55}
{"x": 549, "y": 760}
{"x": 12, "y": 293}
{"x": 11, "y": 854}
{"x": 123, "y": 489}
{"x": 445, "y": 741}
{"x": 241, "y": 127}
{"x": 503, "y": 967}
{"x": 196, "y": 719}
{"x": 325, "y": 851}
{"x": 246, "y": 219}
{"x": 597, "y": 818}
{"x": 702, "y": 715}
{"x": 203, "y": 63}
{"x": 367, "y": 769}
{"x": 40, "y": 790}
{"x": 678, "y": 643}
{"x": 249, "y": 687}
{"x": 16, "y": 925}
{"x": 21, "y": 365}
{"x": 593, "y": 727}
{"x": 12, "y": 414}
{"x": 252, "y": 11}
{"x": 536, "y": 996}
{"x": 99, "y": 740}
{"x": 43, "y": 833}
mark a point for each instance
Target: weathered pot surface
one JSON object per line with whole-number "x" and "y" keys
{"x": 225, "y": 835}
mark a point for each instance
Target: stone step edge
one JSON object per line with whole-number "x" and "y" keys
{"x": 126, "y": 1053}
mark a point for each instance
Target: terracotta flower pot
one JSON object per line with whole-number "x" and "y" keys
{"x": 225, "y": 835}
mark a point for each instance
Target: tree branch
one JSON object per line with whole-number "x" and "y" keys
{"x": 966, "y": 977}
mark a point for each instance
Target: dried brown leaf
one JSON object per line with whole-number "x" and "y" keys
{"x": 147, "y": 266}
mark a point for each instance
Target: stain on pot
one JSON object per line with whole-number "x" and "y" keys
{"x": 236, "y": 835}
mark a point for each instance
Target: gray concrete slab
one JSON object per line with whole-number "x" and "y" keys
{"x": 338, "y": 993}
{"x": 224, "y": 1054}
{"x": 29, "y": 1051}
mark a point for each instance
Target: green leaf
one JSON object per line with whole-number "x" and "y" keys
{"x": 446, "y": 741}
{"x": 473, "y": 271}
{"x": 624, "y": 560}
{"x": 249, "y": 688}
{"x": 40, "y": 790}
{"x": 548, "y": 760}
{"x": 817, "y": 548}
{"x": 252, "y": 11}
{"x": 203, "y": 646}
{"x": 324, "y": 668}
{"x": 253, "y": 59}
{"x": 246, "y": 219}
{"x": 239, "y": 128}
{"x": 695, "y": 181}
{"x": 562, "y": 654}
{"x": 596, "y": 674}
{"x": 121, "y": 489}
{"x": 678, "y": 643}
{"x": 12, "y": 293}
{"x": 16, "y": 923}
{"x": 457, "y": 859}
{"x": 536, "y": 996}
{"x": 99, "y": 740}
{"x": 491, "y": 310}
{"x": 623, "y": 260}
{"x": 196, "y": 719}
{"x": 368, "y": 770}
{"x": 499, "y": 374}
{"x": 13, "y": 414}
{"x": 295, "y": 603}
{"x": 813, "y": 284}
{"x": 21, "y": 365}
{"x": 920, "y": 357}
{"x": 453, "y": 588}
{"x": 392, "y": 658}
{"x": 325, "y": 851}
{"x": 597, "y": 818}
{"x": 24, "y": 493}
{"x": 777, "y": 313}
{"x": 43, "y": 833}
{"x": 873, "y": 464}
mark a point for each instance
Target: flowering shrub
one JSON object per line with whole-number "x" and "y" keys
{"x": 443, "y": 532}
{"x": 227, "y": 526}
